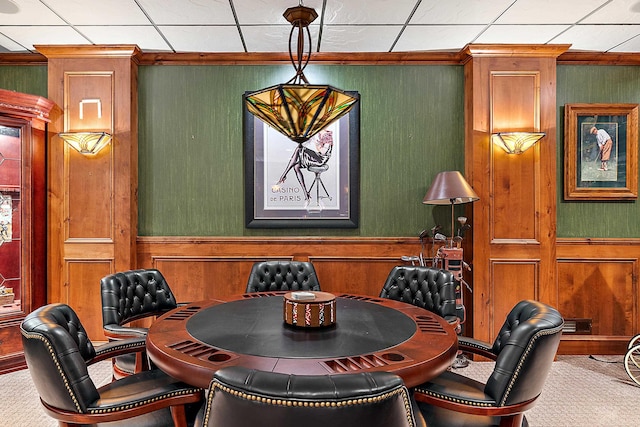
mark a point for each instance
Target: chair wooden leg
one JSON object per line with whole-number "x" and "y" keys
{"x": 512, "y": 421}
{"x": 179, "y": 416}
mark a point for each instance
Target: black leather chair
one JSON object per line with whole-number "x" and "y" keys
{"x": 425, "y": 287}
{"x": 128, "y": 296}
{"x": 271, "y": 276}
{"x": 58, "y": 351}
{"x": 240, "y": 397}
{"x": 523, "y": 351}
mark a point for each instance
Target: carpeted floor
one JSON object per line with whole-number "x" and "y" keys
{"x": 583, "y": 391}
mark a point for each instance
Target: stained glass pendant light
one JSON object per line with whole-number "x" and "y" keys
{"x": 296, "y": 108}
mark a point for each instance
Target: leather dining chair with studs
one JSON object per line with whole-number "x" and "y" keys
{"x": 280, "y": 275}
{"x": 58, "y": 353}
{"x": 425, "y": 287}
{"x": 240, "y": 397}
{"x": 129, "y": 296}
{"x": 523, "y": 351}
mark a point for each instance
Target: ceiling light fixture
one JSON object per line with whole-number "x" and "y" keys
{"x": 296, "y": 108}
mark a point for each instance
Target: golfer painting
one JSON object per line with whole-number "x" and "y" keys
{"x": 604, "y": 144}
{"x": 599, "y": 158}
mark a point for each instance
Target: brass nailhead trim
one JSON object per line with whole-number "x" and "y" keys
{"x": 307, "y": 404}
{"x": 47, "y": 344}
{"x": 523, "y": 358}
{"x": 104, "y": 410}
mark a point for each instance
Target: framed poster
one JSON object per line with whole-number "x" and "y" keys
{"x": 313, "y": 184}
{"x": 600, "y": 151}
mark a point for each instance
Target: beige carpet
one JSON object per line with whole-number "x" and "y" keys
{"x": 580, "y": 391}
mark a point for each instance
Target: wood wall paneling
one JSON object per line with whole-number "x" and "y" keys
{"x": 82, "y": 292}
{"x": 88, "y": 193}
{"x": 512, "y": 280}
{"x": 92, "y": 199}
{"x": 515, "y": 107}
{"x": 510, "y": 89}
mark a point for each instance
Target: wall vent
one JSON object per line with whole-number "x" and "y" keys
{"x": 579, "y": 326}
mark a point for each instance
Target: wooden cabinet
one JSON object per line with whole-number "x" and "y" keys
{"x": 23, "y": 214}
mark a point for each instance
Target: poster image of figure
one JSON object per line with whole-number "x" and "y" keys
{"x": 603, "y": 139}
{"x": 599, "y": 150}
{"x": 291, "y": 169}
{"x": 305, "y": 157}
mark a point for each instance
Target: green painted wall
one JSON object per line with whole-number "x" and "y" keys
{"x": 594, "y": 84}
{"x": 191, "y": 178}
{"x": 30, "y": 79}
{"x": 191, "y": 148}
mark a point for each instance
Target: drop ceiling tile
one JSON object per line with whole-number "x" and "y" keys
{"x": 146, "y": 37}
{"x": 599, "y": 38}
{"x": 459, "y": 12}
{"x": 369, "y": 12}
{"x": 195, "y": 12}
{"x": 9, "y": 45}
{"x": 548, "y": 11}
{"x": 616, "y": 12}
{"x": 32, "y": 12}
{"x": 28, "y": 36}
{"x": 98, "y": 12}
{"x": 437, "y": 37}
{"x": 274, "y": 38}
{"x": 524, "y": 34}
{"x": 632, "y": 45}
{"x": 361, "y": 38}
{"x": 257, "y": 12}
{"x": 203, "y": 38}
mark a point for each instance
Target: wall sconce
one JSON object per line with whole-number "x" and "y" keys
{"x": 516, "y": 142}
{"x": 87, "y": 143}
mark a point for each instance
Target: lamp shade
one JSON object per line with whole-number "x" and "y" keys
{"x": 516, "y": 142}
{"x": 449, "y": 188}
{"x": 86, "y": 142}
{"x": 299, "y": 111}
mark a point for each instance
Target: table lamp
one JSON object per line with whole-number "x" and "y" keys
{"x": 450, "y": 188}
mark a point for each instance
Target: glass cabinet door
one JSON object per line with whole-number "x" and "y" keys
{"x": 10, "y": 220}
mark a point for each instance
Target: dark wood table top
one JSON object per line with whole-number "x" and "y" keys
{"x": 370, "y": 334}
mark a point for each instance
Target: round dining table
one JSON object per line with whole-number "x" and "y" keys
{"x": 194, "y": 340}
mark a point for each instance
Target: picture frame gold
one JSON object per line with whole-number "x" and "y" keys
{"x": 591, "y": 170}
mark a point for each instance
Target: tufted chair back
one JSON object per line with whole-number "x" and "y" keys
{"x": 282, "y": 276}
{"x": 240, "y": 397}
{"x": 56, "y": 348}
{"x": 131, "y": 295}
{"x": 525, "y": 347}
{"x": 523, "y": 352}
{"x": 425, "y": 287}
{"x": 58, "y": 351}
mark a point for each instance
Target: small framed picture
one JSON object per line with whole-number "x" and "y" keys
{"x": 600, "y": 151}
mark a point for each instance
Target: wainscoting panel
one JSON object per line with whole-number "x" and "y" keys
{"x": 209, "y": 267}
{"x": 200, "y": 278}
{"x": 598, "y": 292}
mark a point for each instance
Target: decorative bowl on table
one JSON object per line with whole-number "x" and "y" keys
{"x": 309, "y": 309}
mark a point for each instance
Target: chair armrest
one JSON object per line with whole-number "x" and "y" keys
{"x": 118, "y": 348}
{"x": 471, "y": 345}
{"x": 135, "y": 395}
{"x": 470, "y": 406}
{"x": 118, "y": 332}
